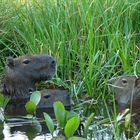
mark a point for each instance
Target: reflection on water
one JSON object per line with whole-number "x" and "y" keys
{"x": 15, "y": 136}
{"x": 27, "y": 129}
{"x": 24, "y": 130}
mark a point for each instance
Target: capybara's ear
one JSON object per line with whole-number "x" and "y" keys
{"x": 10, "y": 62}
{"x": 137, "y": 82}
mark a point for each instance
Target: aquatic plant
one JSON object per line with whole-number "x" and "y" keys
{"x": 68, "y": 121}
{"x": 31, "y": 105}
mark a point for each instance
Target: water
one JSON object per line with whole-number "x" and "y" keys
{"x": 24, "y": 129}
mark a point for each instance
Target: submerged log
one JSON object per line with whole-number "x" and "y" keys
{"x": 49, "y": 96}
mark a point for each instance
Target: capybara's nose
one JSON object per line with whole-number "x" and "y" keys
{"x": 52, "y": 61}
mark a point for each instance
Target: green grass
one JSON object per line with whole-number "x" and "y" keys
{"x": 91, "y": 40}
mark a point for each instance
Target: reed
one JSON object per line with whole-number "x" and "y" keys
{"x": 92, "y": 40}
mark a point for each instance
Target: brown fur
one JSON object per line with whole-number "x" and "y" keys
{"x": 23, "y": 72}
{"x": 127, "y": 89}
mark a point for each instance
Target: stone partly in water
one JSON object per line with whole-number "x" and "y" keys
{"x": 127, "y": 89}
{"x": 48, "y": 97}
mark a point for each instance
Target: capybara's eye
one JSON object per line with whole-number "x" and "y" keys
{"x": 26, "y": 61}
{"x": 124, "y": 81}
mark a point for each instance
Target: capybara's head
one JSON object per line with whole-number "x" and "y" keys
{"x": 127, "y": 89}
{"x": 23, "y": 72}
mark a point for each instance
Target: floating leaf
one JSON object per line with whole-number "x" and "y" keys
{"x": 35, "y": 97}
{"x": 60, "y": 113}
{"x": 88, "y": 123}
{"x": 30, "y": 107}
{"x": 49, "y": 123}
{"x": 71, "y": 126}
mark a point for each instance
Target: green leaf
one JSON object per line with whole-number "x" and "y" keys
{"x": 71, "y": 126}
{"x": 49, "y": 123}
{"x": 30, "y": 107}
{"x": 77, "y": 138}
{"x": 6, "y": 100}
{"x": 35, "y": 97}
{"x": 1, "y": 100}
{"x": 88, "y": 123}
{"x": 70, "y": 115}
{"x": 60, "y": 113}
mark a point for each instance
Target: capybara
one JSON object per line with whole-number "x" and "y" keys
{"x": 127, "y": 89}
{"x": 23, "y": 72}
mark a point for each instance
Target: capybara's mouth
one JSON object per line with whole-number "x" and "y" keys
{"x": 48, "y": 76}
